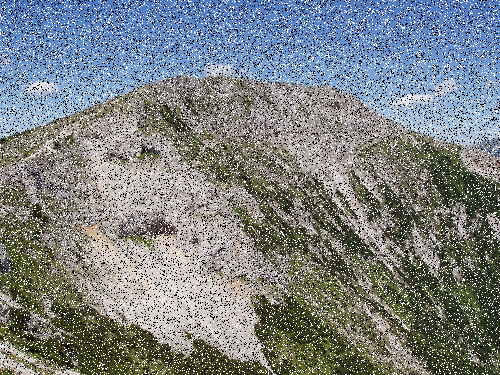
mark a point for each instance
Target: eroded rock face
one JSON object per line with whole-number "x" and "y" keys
{"x": 189, "y": 280}
{"x": 494, "y": 222}
{"x": 162, "y": 291}
{"x": 425, "y": 249}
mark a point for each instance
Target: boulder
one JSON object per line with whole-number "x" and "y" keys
{"x": 5, "y": 264}
{"x": 4, "y": 313}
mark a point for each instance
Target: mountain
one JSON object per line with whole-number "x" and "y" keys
{"x": 222, "y": 225}
{"x": 492, "y": 146}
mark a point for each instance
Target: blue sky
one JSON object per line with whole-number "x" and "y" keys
{"x": 380, "y": 51}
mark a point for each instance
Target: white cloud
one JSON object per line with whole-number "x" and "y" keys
{"x": 442, "y": 89}
{"x": 446, "y": 87}
{"x": 212, "y": 70}
{"x": 492, "y": 83}
{"x": 413, "y": 99}
{"x": 42, "y": 88}
{"x": 4, "y": 61}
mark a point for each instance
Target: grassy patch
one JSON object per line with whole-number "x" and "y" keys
{"x": 449, "y": 319}
{"x": 142, "y": 240}
{"x": 297, "y": 342}
{"x": 148, "y": 155}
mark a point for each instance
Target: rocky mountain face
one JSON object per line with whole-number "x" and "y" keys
{"x": 200, "y": 226}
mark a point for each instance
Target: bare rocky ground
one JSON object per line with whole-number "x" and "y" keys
{"x": 189, "y": 280}
{"x": 481, "y": 162}
{"x": 175, "y": 287}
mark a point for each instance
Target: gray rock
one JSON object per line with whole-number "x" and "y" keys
{"x": 4, "y": 313}
{"x": 5, "y": 263}
{"x": 140, "y": 226}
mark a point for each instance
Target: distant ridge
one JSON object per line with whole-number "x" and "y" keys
{"x": 492, "y": 146}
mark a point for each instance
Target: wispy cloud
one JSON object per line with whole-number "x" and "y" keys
{"x": 413, "y": 99}
{"x": 492, "y": 83}
{"x": 4, "y": 60}
{"x": 42, "y": 88}
{"x": 212, "y": 70}
{"x": 446, "y": 87}
{"x": 442, "y": 89}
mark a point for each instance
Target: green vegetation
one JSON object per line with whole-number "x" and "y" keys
{"x": 297, "y": 342}
{"x": 121, "y": 160}
{"x": 149, "y": 155}
{"x": 65, "y": 143}
{"x": 37, "y": 213}
{"x": 248, "y": 102}
{"x": 97, "y": 345}
{"x": 100, "y": 345}
{"x": 171, "y": 116}
{"x": 36, "y": 270}
{"x": 143, "y": 240}
{"x": 447, "y": 320}
{"x": 365, "y": 196}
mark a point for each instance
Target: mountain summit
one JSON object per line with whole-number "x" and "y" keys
{"x": 222, "y": 225}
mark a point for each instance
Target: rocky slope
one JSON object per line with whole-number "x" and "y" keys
{"x": 198, "y": 226}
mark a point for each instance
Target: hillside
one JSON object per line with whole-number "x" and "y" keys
{"x": 219, "y": 225}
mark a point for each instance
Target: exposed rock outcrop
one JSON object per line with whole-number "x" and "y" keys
{"x": 5, "y": 263}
